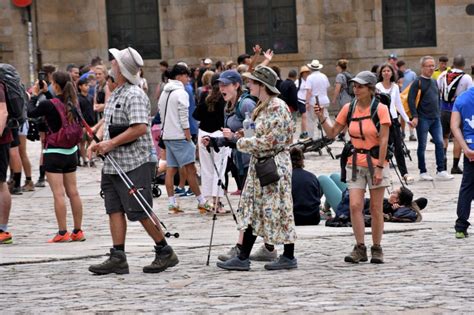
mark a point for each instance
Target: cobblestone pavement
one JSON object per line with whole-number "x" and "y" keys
{"x": 427, "y": 271}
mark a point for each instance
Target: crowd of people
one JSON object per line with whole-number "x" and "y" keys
{"x": 239, "y": 118}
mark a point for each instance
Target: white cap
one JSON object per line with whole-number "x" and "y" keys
{"x": 207, "y": 61}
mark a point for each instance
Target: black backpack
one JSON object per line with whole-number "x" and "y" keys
{"x": 349, "y": 84}
{"x": 383, "y": 98}
{"x": 15, "y": 95}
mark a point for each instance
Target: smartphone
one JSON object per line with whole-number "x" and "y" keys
{"x": 41, "y": 78}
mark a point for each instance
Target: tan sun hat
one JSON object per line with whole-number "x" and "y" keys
{"x": 304, "y": 69}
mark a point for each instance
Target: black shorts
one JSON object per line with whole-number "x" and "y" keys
{"x": 301, "y": 107}
{"x": 117, "y": 197}
{"x": 4, "y": 161}
{"x": 60, "y": 163}
{"x": 446, "y": 123}
{"x": 16, "y": 139}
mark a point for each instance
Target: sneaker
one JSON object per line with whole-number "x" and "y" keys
{"x": 263, "y": 254}
{"x": 92, "y": 164}
{"x": 78, "y": 237}
{"x": 174, "y": 209}
{"x": 180, "y": 191}
{"x": 408, "y": 179}
{"x": 461, "y": 234}
{"x": 238, "y": 192}
{"x": 358, "y": 254}
{"x": 444, "y": 176}
{"x": 303, "y": 136}
{"x": 412, "y": 138}
{"x": 377, "y": 254}
{"x": 29, "y": 186}
{"x": 204, "y": 208}
{"x": 235, "y": 264}
{"x": 425, "y": 177}
{"x": 233, "y": 252}
{"x": 456, "y": 170}
{"x": 40, "y": 183}
{"x": 6, "y": 238}
{"x": 60, "y": 238}
{"x": 165, "y": 258}
{"x": 189, "y": 192}
{"x": 16, "y": 191}
{"x": 283, "y": 262}
{"x": 116, "y": 263}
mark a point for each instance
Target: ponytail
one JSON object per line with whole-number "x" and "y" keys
{"x": 68, "y": 91}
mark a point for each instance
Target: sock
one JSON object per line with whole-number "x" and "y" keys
{"x": 455, "y": 162}
{"x": 172, "y": 200}
{"x": 249, "y": 240}
{"x": 289, "y": 251}
{"x": 62, "y": 232}
{"x": 120, "y": 247}
{"x": 3, "y": 227}
{"x": 161, "y": 243}
{"x": 269, "y": 247}
{"x": 75, "y": 231}
{"x": 42, "y": 173}
{"x": 201, "y": 199}
{"x": 28, "y": 178}
{"x": 17, "y": 179}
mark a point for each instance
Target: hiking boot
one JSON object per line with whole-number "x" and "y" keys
{"x": 116, "y": 263}
{"x": 461, "y": 234}
{"x": 425, "y": 177}
{"x": 412, "y": 138}
{"x": 283, "y": 262}
{"x": 204, "y": 208}
{"x": 78, "y": 237}
{"x": 174, "y": 209}
{"x": 6, "y": 238}
{"x": 456, "y": 170}
{"x": 58, "y": 238}
{"x": 233, "y": 252}
{"x": 235, "y": 264}
{"x": 444, "y": 176}
{"x": 359, "y": 253}
{"x": 263, "y": 254}
{"x": 16, "y": 191}
{"x": 29, "y": 186}
{"x": 164, "y": 258}
{"x": 40, "y": 183}
{"x": 377, "y": 254}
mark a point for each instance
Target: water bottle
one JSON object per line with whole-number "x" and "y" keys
{"x": 249, "y": 126}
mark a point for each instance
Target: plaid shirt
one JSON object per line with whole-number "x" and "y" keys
{"x": 128, "y": 105}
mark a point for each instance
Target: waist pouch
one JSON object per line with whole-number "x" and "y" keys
{"x": 115, "y": 130}
{"x": 267, "y": 171}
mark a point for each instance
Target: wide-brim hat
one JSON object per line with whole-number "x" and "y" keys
{"x": 304, "y": 69}
{"x": 129, "y": 62}
{"x": 264, "y": 75}
{"x": 314, "y": 65}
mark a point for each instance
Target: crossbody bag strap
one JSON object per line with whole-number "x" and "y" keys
{"x": 166, "y": 109}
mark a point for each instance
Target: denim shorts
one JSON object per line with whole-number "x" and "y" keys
{"x": 180, "y": 153}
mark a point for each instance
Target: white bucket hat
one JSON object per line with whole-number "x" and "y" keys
{"x": 314, "y": 65}
{"x": 130, "y": 62}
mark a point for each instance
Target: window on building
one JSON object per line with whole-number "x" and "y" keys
{"x": 408, "y": 23}
{"x": 134, "y": 23}
{"x": 271, "y": 24}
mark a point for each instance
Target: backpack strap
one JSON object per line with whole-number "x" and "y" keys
{"x": 373, "y": 115}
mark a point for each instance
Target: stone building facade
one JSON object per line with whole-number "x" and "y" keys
{"x": 74, "y": 31}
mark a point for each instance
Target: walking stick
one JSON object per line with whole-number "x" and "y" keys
{"x": 320, "y": 127}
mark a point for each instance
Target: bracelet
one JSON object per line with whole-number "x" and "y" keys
{"x": 322, "y": 122}
{"x": 380, "y": 166}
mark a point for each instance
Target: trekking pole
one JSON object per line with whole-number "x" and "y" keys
{"x": 406, "y": 151}
{"x": 132, "y": 190}
{"x": 320, "y": 127}
{"x": 396, "y": 172}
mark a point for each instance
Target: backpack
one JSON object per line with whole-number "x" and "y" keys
{"x": 383, "y": 98}
{"x": 244, "y": 96}
{"x": 349, "y": 84}
{"x": 450, "y": 83}
{"x": 404, "y": 97}
{"x": 70, "y": 133}
{"x": 16, "y": 96}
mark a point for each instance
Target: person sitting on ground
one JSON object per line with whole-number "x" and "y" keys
{"x": 400, "y": 206}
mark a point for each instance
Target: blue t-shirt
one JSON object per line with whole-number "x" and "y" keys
{"x": 193, "y": 124}
{"x": 464, "y": 105}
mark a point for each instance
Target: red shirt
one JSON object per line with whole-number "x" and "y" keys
{"x": 6, "y": 137}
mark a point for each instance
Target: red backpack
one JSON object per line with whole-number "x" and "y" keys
{"x": 70, "y": 133}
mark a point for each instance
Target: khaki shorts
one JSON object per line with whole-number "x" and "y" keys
{"x": 364, "y": 178}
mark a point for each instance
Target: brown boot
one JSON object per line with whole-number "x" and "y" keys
{"x": 359, "y": 253}
{"x": 377, "y": 254}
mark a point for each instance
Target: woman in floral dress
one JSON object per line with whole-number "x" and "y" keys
{"x": 267, "y": 211}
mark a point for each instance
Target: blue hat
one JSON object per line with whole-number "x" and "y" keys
{"x": 230, "y": 76}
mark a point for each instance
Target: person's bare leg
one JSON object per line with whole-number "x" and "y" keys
{"x": 5, "y": 203}
{"x": 356, "y": 197}
{"x": 118, "y": 227}
{"x": 25, "y": 161}
{"x": 56, "y": 184}
{"x": 192, "y": 179}
{"x": 376, "y": 213}
{"x": 70, "y": 184}
{"x": 169, "y": 180}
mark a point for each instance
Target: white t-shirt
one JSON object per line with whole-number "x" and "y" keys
{"x": 301, "y": 90}
{"x": 318, "y": 83}
{"x": 396, "y": 102}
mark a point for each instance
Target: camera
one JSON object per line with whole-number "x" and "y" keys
{"x": 41, "y": 79}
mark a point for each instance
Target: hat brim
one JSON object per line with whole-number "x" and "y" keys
{"x": 252, "y": 77}
{"x": 133, "y": 78}
{"x": 314, "y": 68}
{"x": 359, "y": 80}
{"x": 224, "y": 81}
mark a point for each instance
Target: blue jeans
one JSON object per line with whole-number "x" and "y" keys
{"x": 466, "y": 195}
{"x": 433, "y": 126}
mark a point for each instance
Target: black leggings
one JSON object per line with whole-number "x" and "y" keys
{"x": 249, "y": 240}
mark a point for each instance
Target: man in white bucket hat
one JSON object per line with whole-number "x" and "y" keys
{"x": 317, "y": 85}
{"x": 126, "y": 137}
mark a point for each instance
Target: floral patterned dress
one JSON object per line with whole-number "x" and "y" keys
{"x": 269, "y": 210}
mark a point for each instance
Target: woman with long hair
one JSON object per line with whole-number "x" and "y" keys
{"x": 60, "y": 155}
{"x": 387, "y": 79}
{"x": 369, "y": 154}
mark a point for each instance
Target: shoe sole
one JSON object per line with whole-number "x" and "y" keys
{"x": 81, "y": 240}
{"x": 263, "y": 258}
{"x": 174, "y": 263}
{"x": 351, "y": 260}
{"x": 123, "y": 271}
{"x": 6, "y": 242}
{"x": 281, "y": 268}
{"x": 376, "y": 261}
{"x": 233, "y": 268}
